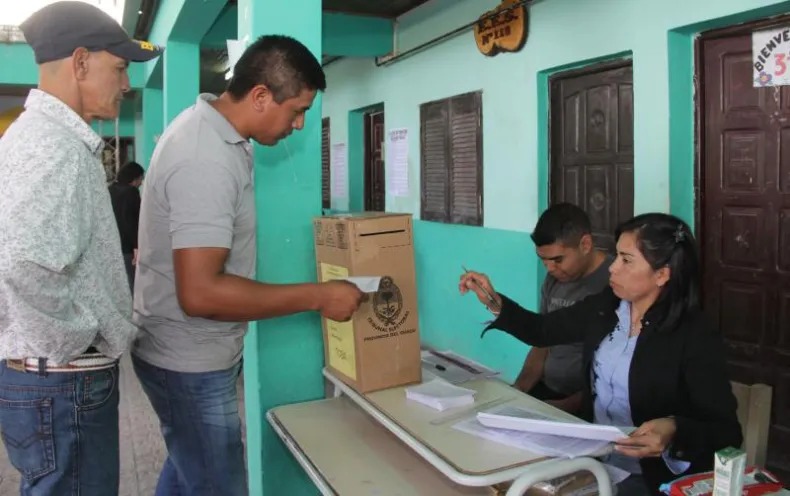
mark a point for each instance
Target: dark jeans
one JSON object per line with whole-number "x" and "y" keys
{"x": 199, "y": 417}
{"x": 61, "y": 430}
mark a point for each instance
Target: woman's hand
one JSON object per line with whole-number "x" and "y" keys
{"x": 479, "y": 284}
{"x": 651, "y": 439}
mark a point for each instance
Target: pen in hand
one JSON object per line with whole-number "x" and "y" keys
{"x": 493, "y": 305}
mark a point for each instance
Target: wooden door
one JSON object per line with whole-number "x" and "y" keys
{"x": 592, "y": 145}
{"x": 374, "y": 161}
{"x": 745, "y": 222}
{"x": 326, "y": 173}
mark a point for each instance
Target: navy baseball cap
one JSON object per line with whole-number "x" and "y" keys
{"x": 55, "y": 31}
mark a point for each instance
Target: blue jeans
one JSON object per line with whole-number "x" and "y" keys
{"x": 199, "y": 417}
{"x": 61, "y": 430}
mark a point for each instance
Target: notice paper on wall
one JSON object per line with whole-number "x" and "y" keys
{"x": 339, "y": 171}
{"x": 397, "y": 163}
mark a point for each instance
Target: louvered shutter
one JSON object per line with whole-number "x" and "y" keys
{"x": 326, "y": 195}
{"x": 435, "y": 159}
{"x": 466, "y": 188}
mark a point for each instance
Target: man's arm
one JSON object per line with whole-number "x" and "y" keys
{"x": 571, "y": 404}
{"x": 45, "y": 231}
{"x": 532, "y": 370}
{"x": 132, "y": 210}
{"x": 131, "y": 219}
{"x": 204, "y": 290}
{"x": 202, "y": 201}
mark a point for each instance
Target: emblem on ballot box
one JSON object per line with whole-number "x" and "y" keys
{"x": 387, "y": 302}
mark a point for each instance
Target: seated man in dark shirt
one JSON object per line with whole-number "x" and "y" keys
{"x": 563, "y": 241}
{"x": 126, "y": 206}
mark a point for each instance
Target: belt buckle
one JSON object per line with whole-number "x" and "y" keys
{"x": 16, "y": 364}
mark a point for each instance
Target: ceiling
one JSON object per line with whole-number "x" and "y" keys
{"x": 378, "y": 8}
{"x": 213, "y": 61}
{"x": 141, "y": 24}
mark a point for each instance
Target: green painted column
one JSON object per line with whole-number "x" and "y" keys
{"x": 181, "y": 74}
{"x": 283, "y": 357}
{"x": 356, "y": 160}
{"x": 153, "y": 124}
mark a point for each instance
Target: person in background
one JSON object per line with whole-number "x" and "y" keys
{"x": 651, "y": 358}
{"x": 65, "y": 306}
{"x": 195, "y": 289}
{"x": 563, "y": 241}
{"x": 125, "y": 197}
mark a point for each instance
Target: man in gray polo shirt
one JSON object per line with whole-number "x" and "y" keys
{"x": 194, "y": 292}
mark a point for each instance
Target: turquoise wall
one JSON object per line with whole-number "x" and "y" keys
{"x": 18, "y": 66}
{"x": 283, "y": 356}
{"x": 342, "y": 34}
{"x": 563, "y": 34}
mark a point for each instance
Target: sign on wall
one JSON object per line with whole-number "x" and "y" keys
{"x": 339, "y": 171}
{"x": 398, "y": 162}
{"x": 503, "y": 29}
{"x": 771, "y": 57}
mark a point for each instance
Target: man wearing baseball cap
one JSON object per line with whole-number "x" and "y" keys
{"x": 65, "y": 307}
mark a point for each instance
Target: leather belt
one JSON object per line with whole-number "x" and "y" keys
{"x": 88, "y": 361}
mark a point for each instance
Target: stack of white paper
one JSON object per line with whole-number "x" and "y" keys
{"x": 440, "y": 395}
{"x": 520, "y": 419}
{"x": 537, "y": 437}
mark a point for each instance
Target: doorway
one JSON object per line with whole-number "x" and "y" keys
{"x": 744, "y": 202}
{"x": 592, "y": 145}
{"x": 375, "y": 192}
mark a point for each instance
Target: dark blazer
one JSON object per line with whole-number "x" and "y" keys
{"x": 678, "y": 372}
{"x": 126, "y": 207}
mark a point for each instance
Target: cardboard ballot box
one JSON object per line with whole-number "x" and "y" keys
{"x": 380, "y": 347}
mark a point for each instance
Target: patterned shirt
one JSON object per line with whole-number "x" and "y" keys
{"x": 63, "y": 286}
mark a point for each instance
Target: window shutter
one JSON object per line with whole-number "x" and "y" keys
{"x": 326, "y": 195}
{"x": 466, "y": 178}
{"x": 435, "y": 160}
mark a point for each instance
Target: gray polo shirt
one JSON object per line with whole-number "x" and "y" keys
{"x": 198, "y": 193}
{"x": 562, "y": 370}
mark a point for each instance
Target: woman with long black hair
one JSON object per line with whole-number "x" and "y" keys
{"x": 651, "y": 358}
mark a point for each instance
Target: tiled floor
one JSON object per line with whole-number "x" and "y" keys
{"x": 142, "y": 447}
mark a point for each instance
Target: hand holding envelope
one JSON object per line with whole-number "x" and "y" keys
{"x": 365, "y": 284}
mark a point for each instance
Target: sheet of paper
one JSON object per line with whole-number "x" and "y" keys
{"x": 338, "y": 171}
{"x": 397, "y": 163}
{"x": 235, "y": 50}
{"x": 340, "y": 335}
{"x": 540, "y": 444}
{"x": 365, "y": 284}
{"x": 514, "y": 418}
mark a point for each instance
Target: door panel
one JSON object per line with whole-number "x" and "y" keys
{"x": 745, "y": 224}
{"x": 592, "y": 159}
{"x": 374, "y": 162}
